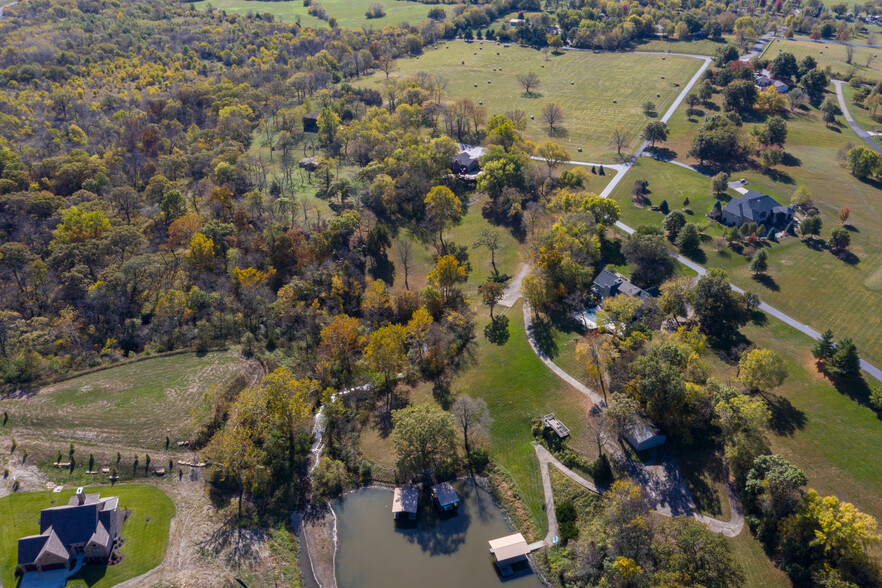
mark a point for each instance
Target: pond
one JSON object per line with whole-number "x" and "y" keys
{"x": 435, "y": 551}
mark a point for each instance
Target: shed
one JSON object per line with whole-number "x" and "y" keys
{"x": 508, "y": 551}
{"x": 446, "y": 498}
{"x": 404, "y": 503}
{"x": 555, "y": 425}
{"x": 310, "y": 122}
{"x": 515, "y": 22}
{"x": 781, "y": 87}
{"x": 310, "y": 164}
{"x": 642, "y": 435}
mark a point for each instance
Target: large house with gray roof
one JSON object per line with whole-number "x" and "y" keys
{"x": 754, "y": 207}
{"x": 88, "y": 525}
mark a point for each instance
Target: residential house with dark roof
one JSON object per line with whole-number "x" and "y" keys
{"x": 608, "y": 284}
{"x": 754, "y": 207}
{"x": 88, "y": 525}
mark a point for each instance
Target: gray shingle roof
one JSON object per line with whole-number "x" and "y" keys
{"x": 752, "y": 205}
{"x": 29, "y": 548}
{"x": 607, "y": 279}
{"x": 73, "y": 524}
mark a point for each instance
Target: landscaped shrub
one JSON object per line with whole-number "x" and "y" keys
{"x": 566, "y": 520}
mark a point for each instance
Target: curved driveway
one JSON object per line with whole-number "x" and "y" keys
{"x": 844, "y": 108}
{"x": 4, "y": 7}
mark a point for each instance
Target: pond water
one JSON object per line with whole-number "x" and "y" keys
{"x": 450, "y": 551}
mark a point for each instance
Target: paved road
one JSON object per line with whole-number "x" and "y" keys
{"x": 759, "y": 47}
{"x": 844, "y": 108}
{"x": 4, "y": 7}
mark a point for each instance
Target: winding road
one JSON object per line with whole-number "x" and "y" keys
{"x": 5, "y": 6}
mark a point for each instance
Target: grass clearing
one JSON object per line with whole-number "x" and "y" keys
{"x": 136, "y": 404}
{"x": 862, "y": 116}
{"x": 696, "y": 47}
{"x": 589, "y": 112}
{"x": 518, "y": 388}
{"x": 145, "y": 532}
{"x": 832, "y": 55}
{"x": 350, "y": 14}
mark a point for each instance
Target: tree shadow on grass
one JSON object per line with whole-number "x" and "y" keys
{"x": 611, "y": 252}
{"x": 786, "y": 418}
{"x": 776, "y": 175}
{"x": 558, "y": 133}
{"x": 815, "y": 244}
{"x": 855, "y": 388}
{"x": 697, "y": 255}
{"x": 767, "y": 281}
{"x": 541, "y": 330}
{"x": 848, "y": 257}
{"x": 851, "y": 229}
{"x": 662, "y": 153}
{"x": 790, "y": 160}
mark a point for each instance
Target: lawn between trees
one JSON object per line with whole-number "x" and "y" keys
{"x": 582, "y": 82}
{"x": 832, "y": 55}
{"x": 145, "y": 532}
{"x": 805, "y": 280}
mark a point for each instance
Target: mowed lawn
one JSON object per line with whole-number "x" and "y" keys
{"x": 862, "y": 116}
{"x": 832, "y": 55}
{"x": 145, "y": 532}
{"x": 583, "y": 83}
{"x": 518, "y": 388}
{"x": 811, "y": 285}
{"x": 136, "y": 404}
{"x": 350, "y": 14}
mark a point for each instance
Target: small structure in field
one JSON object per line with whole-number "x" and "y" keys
{"x": 404, "y": 503}
{"x": 509, "y": 551}
{"x": 310, "y": 122}
{"x": 643, "y": 435}
{"x": 310, "y": 164}
{"x": 551, "y": 422}
{"x": 446, "y": 498}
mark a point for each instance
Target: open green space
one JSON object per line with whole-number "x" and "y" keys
{"x": 862, "y": 116}
{"x": 832, "y": 55}
{"x": 350, "y": 14}
{"x": 806, "y": 281}
{"x": 135, "y": 404}
{"x": 583, "y": 83}
{"x": 695, "y": 47}
{"x": 145, "y": 531}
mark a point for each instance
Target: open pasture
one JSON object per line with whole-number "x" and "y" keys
{"x": 584, "y": 83}
{"x": 350, "y": 14}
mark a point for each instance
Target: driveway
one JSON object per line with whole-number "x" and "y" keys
{"x": 51, "y": 579}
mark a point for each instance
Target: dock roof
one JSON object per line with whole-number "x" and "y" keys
{"x": 445, "y": 494}
{"x": 509, "y": 547}
{"x": 405, "y": 500}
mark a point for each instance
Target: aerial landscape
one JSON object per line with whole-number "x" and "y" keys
{"x": 359, "y": 294}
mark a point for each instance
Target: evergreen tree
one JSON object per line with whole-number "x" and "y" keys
{"x": 824, "y": 347}
{"x": 845, "y": 362}
{"x": 759, "y": 264}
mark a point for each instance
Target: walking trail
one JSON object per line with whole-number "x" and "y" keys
{"x": 4, "y": 7}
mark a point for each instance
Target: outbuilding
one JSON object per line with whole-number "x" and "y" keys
{"x": 643, "y": 435}
{"x": 509, "y": 551}
{"x": 446, "y": 498}
{"x": 404, "y": 503}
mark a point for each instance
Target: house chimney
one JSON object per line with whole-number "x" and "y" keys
{"x": 81, "y": 496}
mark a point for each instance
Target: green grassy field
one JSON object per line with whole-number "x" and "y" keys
{"x": 671, "y": 45}
{"x": 832, "y": 55}
{"x": 349, "y": 13}
{"x": 811, "y": 285}
{"x": 861, "y": 115}
{"x": 134, "y": 405}
{"x": 589, "y": 111}
{"x": 145, "y": 532}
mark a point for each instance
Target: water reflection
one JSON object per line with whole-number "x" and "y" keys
{"x": 374, "y": 551}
